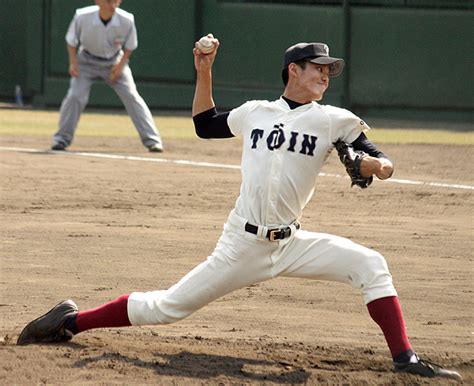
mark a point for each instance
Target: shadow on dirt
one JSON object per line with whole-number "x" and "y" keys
{"x": 205, "y": 366}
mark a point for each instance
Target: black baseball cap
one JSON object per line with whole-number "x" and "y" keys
{"x": 315, "y": 53}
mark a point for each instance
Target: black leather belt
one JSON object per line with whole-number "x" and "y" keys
{"x": 101, "y": 58}
{"x": 272, "y": 234}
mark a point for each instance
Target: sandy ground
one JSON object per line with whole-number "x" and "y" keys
{"x": 92, "y": 229}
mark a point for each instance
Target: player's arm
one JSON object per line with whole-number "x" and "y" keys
{"x": 73, "y": 66}
{"x": 207, "y": 122}
{"x": 376, "y": 162}
{"x": 72, "y": 43}
{"x": 210, "y": 124}
{"x": 203, "y": 100}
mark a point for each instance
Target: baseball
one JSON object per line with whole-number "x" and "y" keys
{"x": 205, "y": 44}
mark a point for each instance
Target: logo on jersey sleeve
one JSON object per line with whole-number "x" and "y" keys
{"x": 303, "y": 143}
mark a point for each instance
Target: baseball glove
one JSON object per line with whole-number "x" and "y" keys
{"x": 351, "y": 159}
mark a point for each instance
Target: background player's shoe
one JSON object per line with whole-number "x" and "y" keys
{"x": 426, "y": 369}
{"x": 58, "y": 146}
{"x": 50, "y": 327}
{"x": 156, "y": 148}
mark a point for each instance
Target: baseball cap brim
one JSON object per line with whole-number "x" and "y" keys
{"x": 336, "y": 65}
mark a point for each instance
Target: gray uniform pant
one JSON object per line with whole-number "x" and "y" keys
{"x": 91, "y": 70}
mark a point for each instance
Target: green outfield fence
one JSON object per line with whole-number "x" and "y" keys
{"x": 405, "y": 58}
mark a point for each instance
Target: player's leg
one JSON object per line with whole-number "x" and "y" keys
{"x": 73, "y": 105}
{"x": 238, "y": 260}
{"x": 137, "y": 109}
{"x": 323, "y": 256}
{"x": 328, "y": 257}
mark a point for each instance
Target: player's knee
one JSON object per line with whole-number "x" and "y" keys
{"x": 376, "y": 266}
{"x": 371, "y": 269}
{"x": 80, "y": 99}
{"x": 131, "y": 97}
{"x": 376, "y": 280}
{"x": 376, "y": 259}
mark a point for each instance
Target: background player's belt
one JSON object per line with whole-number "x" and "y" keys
{"x": 272, "y": 234}
{"x": 101, "y": 58}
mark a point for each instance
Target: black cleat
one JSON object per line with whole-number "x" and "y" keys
{"x": 58, "y": 146}
{"x": 50, "y": 327}
{"x": 426, "y": 369}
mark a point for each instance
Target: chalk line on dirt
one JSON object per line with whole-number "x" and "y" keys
{"x": 217, "y": 165}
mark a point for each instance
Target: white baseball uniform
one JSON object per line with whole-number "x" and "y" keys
{"x": 283, "y": 152}
{"x": 100, "y": 47}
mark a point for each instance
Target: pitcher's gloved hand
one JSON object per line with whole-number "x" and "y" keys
{"x": 351, "y": 160}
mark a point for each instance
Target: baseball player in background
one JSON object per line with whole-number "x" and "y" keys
{"x": 100, "y": 41}
{"x": 285, "y": 143}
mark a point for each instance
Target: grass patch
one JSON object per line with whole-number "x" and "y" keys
{"x": 44, "y": 123}
{"x": 421, "y": 136}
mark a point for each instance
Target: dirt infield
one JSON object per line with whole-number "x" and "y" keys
{"x": 93, "y": 229}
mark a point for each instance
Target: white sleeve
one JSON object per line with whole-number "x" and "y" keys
{"x": 72, "y": 35}
{"x": 131, "y": 41}
{"x": 345, "y": 125}
{"x": 237, "y": 119}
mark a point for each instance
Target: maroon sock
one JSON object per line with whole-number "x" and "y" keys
{"x": 111, "y": 314}
{"x": 387, "y": 313}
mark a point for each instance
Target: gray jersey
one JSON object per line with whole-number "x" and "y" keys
{"x": 104, "y": 41}
{"x": 99, "y": 50}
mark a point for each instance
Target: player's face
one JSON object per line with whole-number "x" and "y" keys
{"x": 312, "y": 81}
{"x": 108, "y": 7}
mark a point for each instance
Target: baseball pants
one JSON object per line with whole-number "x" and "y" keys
{"x": 241, "y": 259}
{"x": 76, "y": 99}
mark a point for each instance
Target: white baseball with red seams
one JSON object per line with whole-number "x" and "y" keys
{"x": 206, "y": 44}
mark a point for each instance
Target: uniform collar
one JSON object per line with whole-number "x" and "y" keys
{"x": 115, "y": 20}
{"x": 284, "y": 104}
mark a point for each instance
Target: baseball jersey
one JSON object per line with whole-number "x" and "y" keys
{"x": 100, "y": 40}
{"x": 283, "y": 152}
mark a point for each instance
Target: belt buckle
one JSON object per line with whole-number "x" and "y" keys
{"x": 272, "y": 234}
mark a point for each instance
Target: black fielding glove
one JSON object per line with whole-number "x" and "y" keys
{"x": 351, "y": 160}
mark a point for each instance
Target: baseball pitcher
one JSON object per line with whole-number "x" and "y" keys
{"x": 285, "y": 143}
